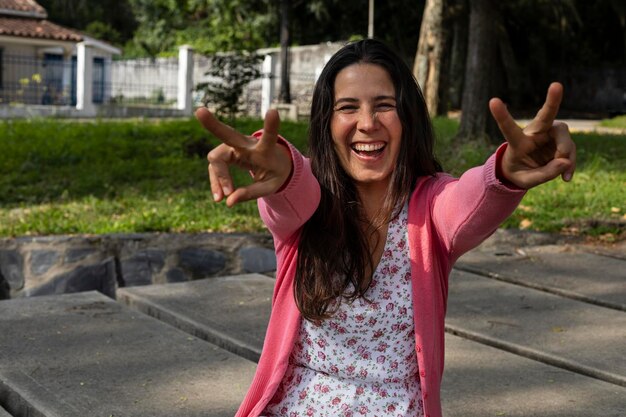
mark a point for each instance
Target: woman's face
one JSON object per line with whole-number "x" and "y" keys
{"x": 365, "y": 126}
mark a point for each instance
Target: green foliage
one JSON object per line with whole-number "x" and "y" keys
{"x": 209, "y": 26}
{"x": 139, "y": 176}
{"x": 104, "y": 31}
{"x": 230, "y": 74}
{"x": 233, "y": 25}
{"x": 565, "y": 35}
{"x": 157, "y": 20}
{"x": 109, "y": 20}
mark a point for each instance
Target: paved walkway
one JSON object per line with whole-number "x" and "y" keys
{"x": 535, "y": 327}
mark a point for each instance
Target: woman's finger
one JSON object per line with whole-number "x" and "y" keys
{"x": 544, "y": 119}
{"x": 216, "y": 188}
{"x": 511, "y": 131}
{"x": 565, "y": 147}
{"x": 219, "y": 175}
{"x": 252, "y": 191}
{"x": 271, "y": 124}
{"x": 222, "y": 131}
{"x": 543, "y": 174}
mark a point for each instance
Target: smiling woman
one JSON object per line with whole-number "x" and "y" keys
{"x": 366, "y": 232}
{"x": 365, "y": 127}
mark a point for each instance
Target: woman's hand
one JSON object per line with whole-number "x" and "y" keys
{"x": 269, "y": 162}
{"x": 541, "y": 151}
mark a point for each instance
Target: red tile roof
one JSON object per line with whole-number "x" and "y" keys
{"x": 22, "y": 6}
{"x": 33, "y": 28}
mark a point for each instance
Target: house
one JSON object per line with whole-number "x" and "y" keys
{"x": 41, "y": 62}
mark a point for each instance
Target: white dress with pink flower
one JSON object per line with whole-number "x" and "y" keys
{"x": 362, "y": 361}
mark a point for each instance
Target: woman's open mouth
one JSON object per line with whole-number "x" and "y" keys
{"x": 368, "y": 149}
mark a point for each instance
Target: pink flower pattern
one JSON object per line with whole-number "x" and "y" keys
{"x": 347, "y": 365}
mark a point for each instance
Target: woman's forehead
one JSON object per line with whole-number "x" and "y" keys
{"x": 363, "y": 80}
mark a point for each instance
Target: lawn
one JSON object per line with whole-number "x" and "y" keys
{"x": 618, "y": 122}
{"x": 64, "y": 177}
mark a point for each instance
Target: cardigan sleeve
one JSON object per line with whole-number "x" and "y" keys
{"x": 467, "y": 210}
{"x": 285, "y": 211}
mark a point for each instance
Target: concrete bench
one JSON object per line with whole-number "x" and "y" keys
{"x": 231, "y": 312}
{"x": 562, "y": 270}
{"x": 479, "y": 380}
{"x": 87, "y": 355}
{"x": 578, "y": 336}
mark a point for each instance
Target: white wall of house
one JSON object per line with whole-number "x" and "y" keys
{"x": 12, "y": 74}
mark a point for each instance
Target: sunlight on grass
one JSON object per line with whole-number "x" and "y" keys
{"x": 616, "y": 122}
{"x": 64, "y": 177}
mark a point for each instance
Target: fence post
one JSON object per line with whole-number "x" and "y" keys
{"x": 84, "y": 79}
{"x": 185, "y": 78}
{"x": 66, "y": 81}
{"x": 267, "y": 85}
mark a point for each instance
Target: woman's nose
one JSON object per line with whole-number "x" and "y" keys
{"x": 368, "y": 120}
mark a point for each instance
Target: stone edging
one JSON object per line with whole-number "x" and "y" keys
{"x": 32, "y": 266}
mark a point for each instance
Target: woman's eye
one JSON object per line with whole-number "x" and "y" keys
{"x": 347, "y": 109}
{"x": 385, "y": 106}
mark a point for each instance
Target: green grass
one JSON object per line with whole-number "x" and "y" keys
{"x": 64, "y": 177}
{"x": 593, "y": 204}
{"x": 60, "y": 177}
{"x": 616, "y": 122}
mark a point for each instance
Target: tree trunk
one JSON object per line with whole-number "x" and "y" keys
{"x": 512, "y": 77}
{"x": 620, "y": 9}
{"x": 481, "y": 59}
{"x": 430, "y": 51}
{"x": 285, "y": 40}
{"x": 458, "y": 53}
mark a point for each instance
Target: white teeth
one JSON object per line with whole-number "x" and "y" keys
{"x": 368, "y": 147}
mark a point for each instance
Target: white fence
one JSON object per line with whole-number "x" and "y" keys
{"x": 166, "y": 86}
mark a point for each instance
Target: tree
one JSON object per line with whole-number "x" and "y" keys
{"x": 316, "y": 21}
{"x": 230, "y": 74}
{"x": 430, "y": 53}
{"x": 209, "y": 26}
{"x": 158, "y": 20}
{"x": 109, "y": 20}
{"x": 285, "y": 41}
{"x": 481, "y": 55}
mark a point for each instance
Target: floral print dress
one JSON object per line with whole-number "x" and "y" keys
{"x": 362, "y": 361}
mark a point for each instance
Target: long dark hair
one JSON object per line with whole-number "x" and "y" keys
{"x": 334, "y": 251}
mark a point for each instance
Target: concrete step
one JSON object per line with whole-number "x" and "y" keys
{"x": 87, "y": 355}
{"x": 478, "y": 375}
{"x": 578, "y": 336}
{"x": 230, "y": 312}
{"x": 484, "y": 381}
{"x": 563, "y": 270}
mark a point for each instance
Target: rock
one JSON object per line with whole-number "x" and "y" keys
{"x": 100, "y": 277}
{"x": 176, "y": 275}
{"x": 201, "y": 262}
{"x": 74, "y": 255}
{"x": 5, "y": 290}
{"x": 42, "y": 260}
{"x": 259, "y": 260}
{"x": 138, "y": 269}
{"x": 12, "y": 268}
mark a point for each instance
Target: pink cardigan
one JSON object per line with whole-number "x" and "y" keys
{"x": 447, "y": 217}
